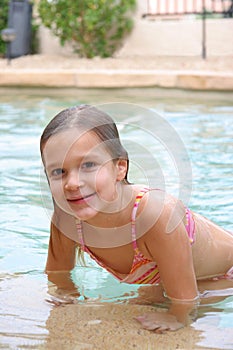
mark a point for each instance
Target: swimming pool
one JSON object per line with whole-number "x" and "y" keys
{"x": 203, "y": 122}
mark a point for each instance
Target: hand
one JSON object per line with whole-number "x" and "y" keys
{"x": 61, "y": 301}
{"x": 159, "y": 322}
{"x": 63, "y": 297}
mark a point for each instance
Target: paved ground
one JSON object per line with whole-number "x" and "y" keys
{"x": 215, "y": 73}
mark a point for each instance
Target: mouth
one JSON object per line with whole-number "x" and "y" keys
{"x": 79, "y": 199}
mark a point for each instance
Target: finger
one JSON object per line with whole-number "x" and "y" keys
{"x": 161, "y": 330}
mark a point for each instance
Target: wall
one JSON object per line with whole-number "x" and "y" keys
{"x": 179, "y": 38}
{"x": 49, "y": 44}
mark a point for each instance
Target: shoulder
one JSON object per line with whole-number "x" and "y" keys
{"x": 159, "y": 213}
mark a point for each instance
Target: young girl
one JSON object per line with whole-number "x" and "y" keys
{"x": 140, "y": 235}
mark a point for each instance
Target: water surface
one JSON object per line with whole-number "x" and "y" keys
{"x": 204, "y": 123}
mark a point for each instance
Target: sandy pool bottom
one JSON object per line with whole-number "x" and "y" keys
{"x": 27, "y": 321}
{"x": 110, "y": 326}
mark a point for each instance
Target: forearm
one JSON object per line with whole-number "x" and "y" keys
{"x": 63, "y": 283}
{"x": 61, "y": 252}
{"x": 183, "y": 311}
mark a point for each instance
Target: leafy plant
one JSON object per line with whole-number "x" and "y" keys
{"x": 4, "y": 4}
{"x": 34, "y": 36}
{"x": 93, "y": 27}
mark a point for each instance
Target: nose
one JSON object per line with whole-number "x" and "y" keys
{"x": 73, "y": 181}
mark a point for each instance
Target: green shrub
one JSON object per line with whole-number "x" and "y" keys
{"x": 4, "y": 4}
{"x": 93, "y": 27}
{"x": 34, "y": 36}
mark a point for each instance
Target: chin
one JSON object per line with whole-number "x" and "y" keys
{"x": 85, "y": 215}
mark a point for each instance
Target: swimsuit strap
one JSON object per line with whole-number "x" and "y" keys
{"x": 133, "y": 216}
{"x": 133, "y": 222}
{"x": 190, "y": 225}
{"x": 80, "y": 233}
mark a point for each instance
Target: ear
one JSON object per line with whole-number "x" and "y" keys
{"x": 121, "y": 166}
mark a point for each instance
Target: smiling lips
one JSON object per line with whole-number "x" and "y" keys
{"x": 80, "y": 199}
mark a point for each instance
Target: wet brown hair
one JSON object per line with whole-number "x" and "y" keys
{"x": 87, "y": 118}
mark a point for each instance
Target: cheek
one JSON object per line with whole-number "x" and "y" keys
{"x": 105, "y": 183}
{"x": 57, "y": 189}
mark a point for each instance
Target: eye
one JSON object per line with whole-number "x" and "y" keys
{"x": 88, "y": 165}
{"x": 57, "y": 172}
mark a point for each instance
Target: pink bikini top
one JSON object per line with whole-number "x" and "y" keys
{"x": 143, "y": 270}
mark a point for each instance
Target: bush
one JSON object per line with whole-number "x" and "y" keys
{"x": 4, "y": 4}
{"x": 93, "y": 27}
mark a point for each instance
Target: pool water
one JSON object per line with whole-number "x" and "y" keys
{"x": 202, "y": 123}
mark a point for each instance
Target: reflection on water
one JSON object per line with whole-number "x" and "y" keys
{"x": 204, "y": 122}
{"x": 23, "y": 312}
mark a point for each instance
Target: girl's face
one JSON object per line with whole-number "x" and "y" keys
{"x": 82, "y": 176}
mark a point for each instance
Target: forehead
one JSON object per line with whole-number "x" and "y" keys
{"x": 72, "y": 143}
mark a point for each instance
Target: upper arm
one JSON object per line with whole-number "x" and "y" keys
{"x": 173, "y": 253}
{"x": 61, "y": 252}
